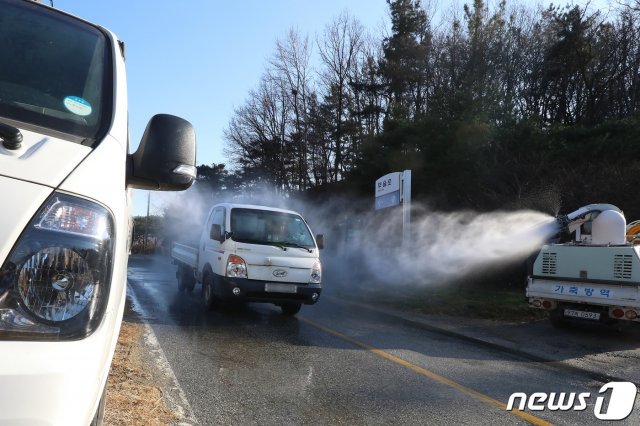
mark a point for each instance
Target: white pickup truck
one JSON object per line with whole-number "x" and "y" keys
{"x": 65, "y": 175}
{"x": 250, "y": 253}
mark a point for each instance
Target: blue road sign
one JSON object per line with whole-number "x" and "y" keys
{"x": 388, "y": 200}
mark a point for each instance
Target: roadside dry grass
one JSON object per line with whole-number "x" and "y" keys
{"x": 496, "y": 304}
{"x": 132, "y": 396}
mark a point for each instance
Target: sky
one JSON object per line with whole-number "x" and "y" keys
{"x": 198, "y": 59}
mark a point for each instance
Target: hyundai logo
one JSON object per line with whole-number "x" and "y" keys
{"x": 279, "y": 273}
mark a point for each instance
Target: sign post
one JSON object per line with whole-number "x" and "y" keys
{"x": 406, "y": 207}
{"x": 393, "y": 189}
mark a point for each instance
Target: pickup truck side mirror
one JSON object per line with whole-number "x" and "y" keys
{"x": 216, "y": 233}
{"x": 320, "y": 241}
{"x": 165, "y": 159}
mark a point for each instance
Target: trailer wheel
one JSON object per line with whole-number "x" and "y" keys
{"x": 290, "y": 308}
{"x": 208, "y": 292}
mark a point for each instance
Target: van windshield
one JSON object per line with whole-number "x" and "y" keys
{"x": 54, "y": 71}
{"x": 270, "y": 227}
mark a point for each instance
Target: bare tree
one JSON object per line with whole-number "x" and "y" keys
{"x": 339, "y": 47}
{"x": 255, "y": 136}
{"x": 290, "y": 68}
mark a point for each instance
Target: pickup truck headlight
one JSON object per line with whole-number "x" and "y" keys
{"x": 55, "y": 283}
{"x": 236, "y": 267}
{"x": 316, "y": 274}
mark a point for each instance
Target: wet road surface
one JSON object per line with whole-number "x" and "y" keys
{"x": 337, "y": 364}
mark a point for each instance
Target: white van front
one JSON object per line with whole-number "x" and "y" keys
{"x": 61, "y": 285}
{"x": 64, "y": 177}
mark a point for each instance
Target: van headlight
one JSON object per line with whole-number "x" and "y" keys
{"x": 55, "y": 283}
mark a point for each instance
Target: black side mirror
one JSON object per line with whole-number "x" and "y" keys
{"x": 165, "y": 159}
{"x": 216, "y": 233}
{"x": 320, "y": 241}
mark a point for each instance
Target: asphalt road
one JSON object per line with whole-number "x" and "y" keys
{"x": 336, "y": 363}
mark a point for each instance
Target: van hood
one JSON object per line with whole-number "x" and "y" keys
{"x": 41, "y": 159}
{"x": 23, "y": 201}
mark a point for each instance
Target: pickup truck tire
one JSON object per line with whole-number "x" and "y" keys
{"x": 291, "y": 308}
{"x": 186, "y": 280}
{"x": 179, "y": 278}
{"x": 208, "y": 292}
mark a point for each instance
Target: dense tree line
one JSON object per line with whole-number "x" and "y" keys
{"x": 488, "y": 106}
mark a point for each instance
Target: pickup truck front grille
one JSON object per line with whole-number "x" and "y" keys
{"x": 623, "y": 266}
{"x": 549, "y": 263}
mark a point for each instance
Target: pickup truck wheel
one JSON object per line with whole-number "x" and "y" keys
{"x": 208, "y": 292}
{"x": 291, "y": 308}
{"x": 179, "y": 276}
{"x": 186, "y": 280}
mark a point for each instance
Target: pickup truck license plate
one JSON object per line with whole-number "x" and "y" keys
{"x": 280, "y": 288}
{"x": 581, "y": 314}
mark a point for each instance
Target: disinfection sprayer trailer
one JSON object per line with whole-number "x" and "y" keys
{"x": 595, "y": 276}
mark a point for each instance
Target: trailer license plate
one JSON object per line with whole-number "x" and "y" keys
{"x": 581, "y": 314}
{"x": 280, "y": 288}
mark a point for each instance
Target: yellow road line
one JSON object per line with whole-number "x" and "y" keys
{"x": 423, "y": 371}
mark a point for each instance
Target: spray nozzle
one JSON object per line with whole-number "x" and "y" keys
{"x": 563, "y": 222}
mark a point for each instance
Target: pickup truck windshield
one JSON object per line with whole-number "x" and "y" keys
{"x": 270, "y": 227}
{"x": 54, "y": 71}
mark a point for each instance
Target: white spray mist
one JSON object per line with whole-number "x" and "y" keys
{"x": 185, "y": 212}
{"x": 444, "y": 246}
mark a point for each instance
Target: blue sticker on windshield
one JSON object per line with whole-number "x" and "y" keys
{"x": 77, "y": 105}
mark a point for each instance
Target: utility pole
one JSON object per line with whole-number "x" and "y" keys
{"x": 146, "y": 227}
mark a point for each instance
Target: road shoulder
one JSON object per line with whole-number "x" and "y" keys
{"x": 134, "y": 396}
{"x": 142, "y": 388}
{"x": 600, "y": 352}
